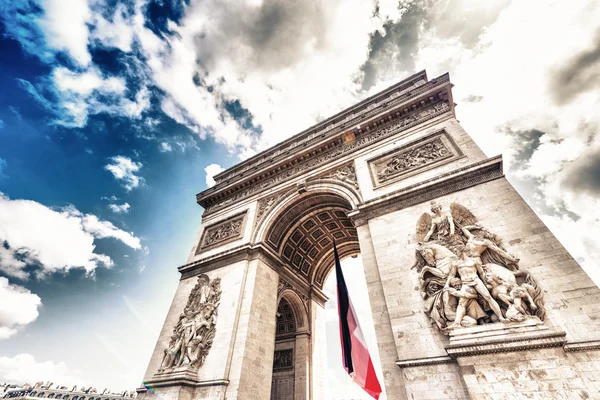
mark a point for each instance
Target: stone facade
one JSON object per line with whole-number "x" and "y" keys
{"x": 266, "y": 236}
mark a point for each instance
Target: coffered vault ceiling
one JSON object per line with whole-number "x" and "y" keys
{"x": 303, "y": 235}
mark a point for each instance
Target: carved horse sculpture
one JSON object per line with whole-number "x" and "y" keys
{"x": 438, "y": 258}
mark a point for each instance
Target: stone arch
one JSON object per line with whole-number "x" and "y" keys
{"x": 298, "y": 307}
{"x": 283, "y": 200}
{"x": 302, "y": 231}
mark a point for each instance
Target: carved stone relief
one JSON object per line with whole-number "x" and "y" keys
{"x": 428, "y": 152}
{"x": 193, "y": 335}
{"x": 224, "y": 231}
{"x": 283, "y": 359}
{"x": 365, "y": 139}
{"x": 466, "y": 276}
{"x": 346, "y": 174}
{"x": 264, "y": 206}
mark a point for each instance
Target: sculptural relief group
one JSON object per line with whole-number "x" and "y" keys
{"x": 466, "y": 276}
{"x": 193, "y": 335}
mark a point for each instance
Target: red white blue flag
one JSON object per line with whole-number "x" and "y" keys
{"x": 355, "y": 354}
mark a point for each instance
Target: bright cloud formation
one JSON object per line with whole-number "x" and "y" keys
{"x": 124, "y": 169}
{"x": 24, "y": 368}
{"x": 53, "y": 240}
{"x": 120, "y": 208}
{"x": 212, "y": 170}
{"x": 18, "y": 308}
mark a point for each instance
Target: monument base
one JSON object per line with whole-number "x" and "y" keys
{"x": 503, "y": 337}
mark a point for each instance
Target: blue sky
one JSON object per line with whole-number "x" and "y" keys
{"x": 114, "y": 114}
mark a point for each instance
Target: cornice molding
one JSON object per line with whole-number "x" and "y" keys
{"x": 334, "y": 149}
{"x": 157, "y": 383}
{"x": 589, "y": 345}
{"x": 440, "y": 185}
{"x": 340, "y": 121}
{"x": 250, "y": 252}
{"x": 419, "y": 362}
{"x": 504, "y": 345}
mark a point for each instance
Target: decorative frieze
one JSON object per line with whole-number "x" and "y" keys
{"x": 429, "y": 152}
{"x": 223, "y": 232}
{"x": 438, "y": 186}
{"x": 404, "y": 91}
{"x": 193, "y": 335}
{"x": 324, "y": 157}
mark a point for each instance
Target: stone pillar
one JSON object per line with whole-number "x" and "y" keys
{"x": 318, "y": 389}
{"x": 392, "y": 378}
{"x": 252, "y": 363}
{"x": 239, "y": 363}
{"x": 302, "y": 367}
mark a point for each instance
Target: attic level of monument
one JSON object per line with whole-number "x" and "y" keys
{"x": 405, "y": 105}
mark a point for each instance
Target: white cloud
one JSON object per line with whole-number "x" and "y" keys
{"x": 117, "y": 33}
{"x": 89, "y": 92}
{"x": 105, "y": 229}
{"x": 85, "y": 83}
{"x": 283, "y": 56}
{"x": 212, "y": 170}
{"x": 65, "y": 27}
{"x": 120, "y": 208}
{"x": 165, "y": 147}
{"x": 57, "y": 240}
{"x": 110, "y": 198}
{"x": 23, "y": 368}
{"x": 18, "y": 308}
{"x": 124, "y": 169}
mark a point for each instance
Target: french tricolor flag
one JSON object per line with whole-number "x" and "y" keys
{"x": 355, "y": 355}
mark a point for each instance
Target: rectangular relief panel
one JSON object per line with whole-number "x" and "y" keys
{"x": 223, "y": 232}
{"x": 283, "y": 360}
{"x": 418, "y": 156}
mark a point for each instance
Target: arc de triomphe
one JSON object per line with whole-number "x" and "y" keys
{"x": 471, "y": 295}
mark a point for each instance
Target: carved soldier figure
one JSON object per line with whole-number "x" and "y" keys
{"x": 468, "y": 270}
{"x": 476, "y": 247}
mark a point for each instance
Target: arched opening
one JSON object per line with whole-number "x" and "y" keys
{"x": 302, "y": 234}
{"x": 287, "y": 364}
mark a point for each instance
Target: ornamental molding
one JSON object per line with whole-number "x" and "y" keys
{"x": 419, "y": 362}
{"x": 438, "y": 186}
{"x": 430, "y": 151}
{"x": 524, "y": 342}
{"x": 326, "y": 154}
{"x": 590, "y": 345}
{"x": 397, "y": 94}
{"x": 223, "y": 232}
